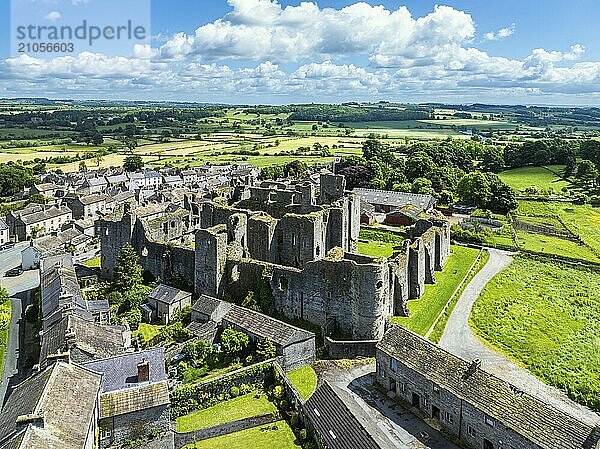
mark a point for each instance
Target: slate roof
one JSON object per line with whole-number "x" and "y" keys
{"x": 117, "y": 179}
{"x": 208, "y": 305}
{"x": 101, "y": 305}
{"x": 203, "y": 331}
{"x": 134, "y": 399}
{"x": 94, "y": 198}
{"x": 47, "y": 214}
{"x": 168, "y": 295}
{"x": 65, "y": 395}
{"x": 69, "y": 237}
{"x": 93, "y": 340}
{"x": 152, "y": 174}
{"x": 96, "y": 182}
{"x": 340, "y": 425}
{"x": 120, "y": 372}
{"x": 278, "y": 332}
{"x": 173, "y": 179}
{"x": 395, "y": 199}
{"x": 528, "y": 416}
{"x": 45, "y": 187}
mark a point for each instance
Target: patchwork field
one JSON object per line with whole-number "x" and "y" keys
{"x": 546, "y": 315}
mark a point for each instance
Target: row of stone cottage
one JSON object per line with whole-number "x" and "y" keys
{"x": 91, "y": 387}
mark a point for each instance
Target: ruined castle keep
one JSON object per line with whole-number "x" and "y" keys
{"x": 299, "y": 240}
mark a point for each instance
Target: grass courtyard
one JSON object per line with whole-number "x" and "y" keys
{"x": 304, "y": 380}
{"x": 546, "y": 316}
{"x": 241, "y": 407}
{"x": 424, "y": 311}
{"x": 277, "y": 435}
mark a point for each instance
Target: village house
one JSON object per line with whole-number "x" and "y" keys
{"x": 40, "y": 221}
{"x": 134, "y": 396}
{"x": 93, "y": 185}
{"x": 173, "y": 181}
{"x": 89, "y": 205}
{"x": 471, "y": 404}
{"x": 48, "y": 189}
{"x": 164, "y": 303}
{"x": 69, "y": 240}
{"x": 190, "y": 177}
{"x": 56, "y": 408}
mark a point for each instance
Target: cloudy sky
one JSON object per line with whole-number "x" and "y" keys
{"x": 281, "y": 51}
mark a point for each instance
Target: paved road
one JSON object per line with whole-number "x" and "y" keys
{"x": 459, "y": 339}
{"x": 404, "y": 429}
{"x": 15, "y": 286}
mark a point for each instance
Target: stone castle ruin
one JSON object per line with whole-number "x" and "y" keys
{"x": 299, "y": 241}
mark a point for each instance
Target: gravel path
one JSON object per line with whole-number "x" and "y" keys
{"x": 459, "y": 339}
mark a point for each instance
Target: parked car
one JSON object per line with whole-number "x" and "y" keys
{"x": 7, "y": 245}
{"x": 14, "y": 272}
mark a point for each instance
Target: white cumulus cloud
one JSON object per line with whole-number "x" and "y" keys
{"x": 502, "y": 33}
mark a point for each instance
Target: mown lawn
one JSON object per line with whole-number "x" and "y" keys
{"x": 239, "y": 408}
{"x": 425, "y": 310}
{"x": 539, "y": 177}
{"x": 546, "y": 315}
{"x": 263, "y": 437}
{"x": 304, "y": 380}
{"x": 376, "y": 249}
{"x": 93, "y": 263}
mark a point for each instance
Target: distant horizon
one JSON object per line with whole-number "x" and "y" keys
{"x": 293, "y": 51}
{"x": 371, "y": 102}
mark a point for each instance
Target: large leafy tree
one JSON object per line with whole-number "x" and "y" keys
{"x": 133, "y": 163}
{"x": 127, "y": 272}
{"x": 14, "y": 177}
{"x": 234, "y": 342}
{"x": 487, "y": 191}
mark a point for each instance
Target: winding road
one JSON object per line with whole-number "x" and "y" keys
{"x": 459, "y": 339}
{"x": 16, "y": 288}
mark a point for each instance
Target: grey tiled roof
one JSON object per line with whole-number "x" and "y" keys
{"x": 67, "y": 394}
{"x": 264, "y": 326}
{"x": 207, "y": 304}
{"x": 340, "y": 425}
{"x": 395, "y": 199}
{"x": 47, "y": 214}
{"x": 120, "y": 372}
{"x": 167, "y": 295}
{"x": 94, "y": 198}
{"x": 530, "y": 417}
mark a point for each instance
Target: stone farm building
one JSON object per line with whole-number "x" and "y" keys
{"x": 467, "y": 402}
{"x": 299, "y": 244}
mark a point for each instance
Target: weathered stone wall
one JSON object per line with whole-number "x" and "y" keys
{"x": 298, "y": 355}
{"x": 132, "y": 426}
{"x": 456, "y": 417}
{"x": 350, "y": 349}
{"x": 211, "y": 258}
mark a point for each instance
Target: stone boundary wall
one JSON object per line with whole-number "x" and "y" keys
{"x": 350, "y": 349}
{"x": 183, "y": 439}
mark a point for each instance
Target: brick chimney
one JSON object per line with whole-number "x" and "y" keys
{"x": 143, "y": 371}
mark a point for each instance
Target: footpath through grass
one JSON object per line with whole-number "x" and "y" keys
{"x": 546, "y": 315}
{"x": 304, "y": 380}
{"x": 277, "y": 435}
{"x": 440, "y": 326}
{"x": 241, "y": 407}
{"x": 425, "y": 310}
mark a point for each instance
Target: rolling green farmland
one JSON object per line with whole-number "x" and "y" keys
{"x": 546, "y": 315}
{"x": 539, "y": 177}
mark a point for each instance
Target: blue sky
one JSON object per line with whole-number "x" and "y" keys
{"x": 278, "y": 51}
